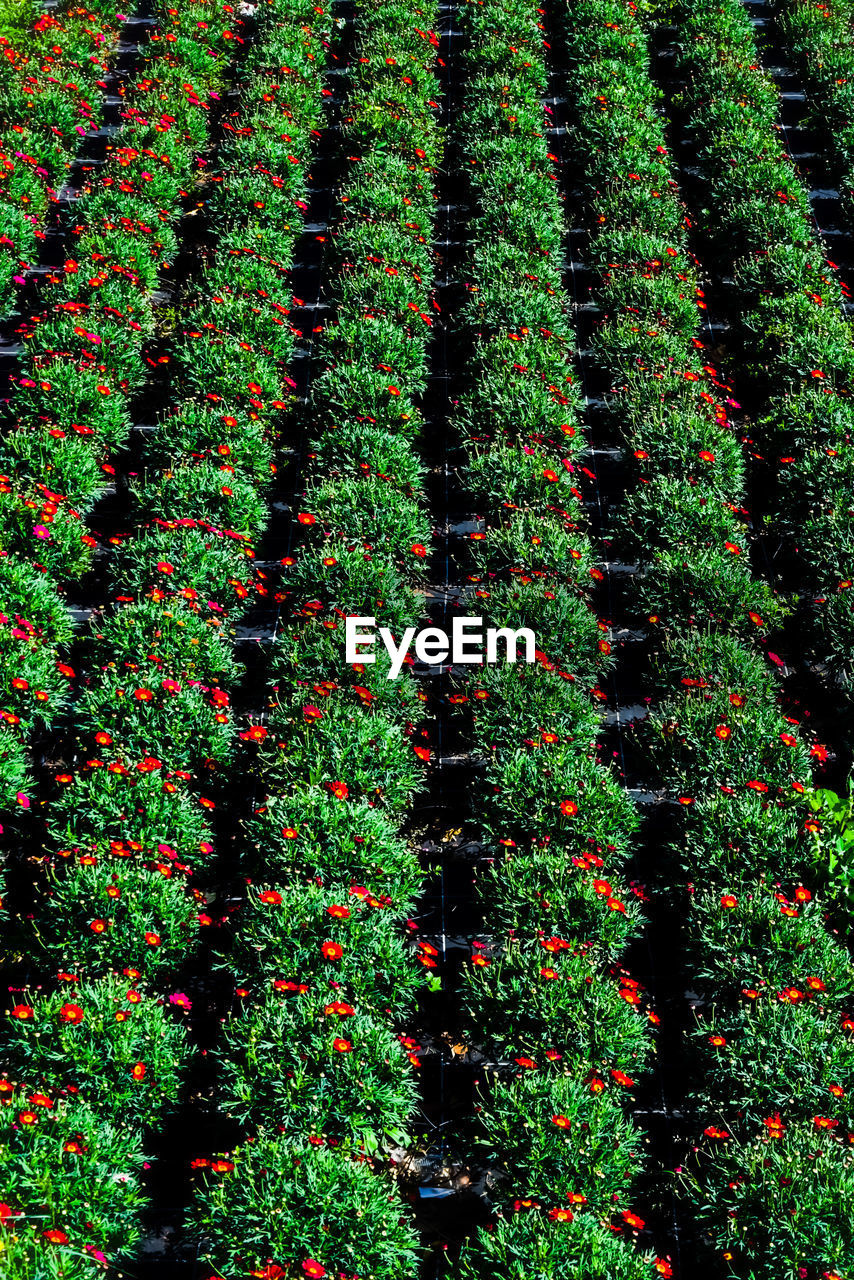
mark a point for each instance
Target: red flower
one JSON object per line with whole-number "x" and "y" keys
{"x": 271, "y": 897}
{"x": 418, "y": 549}
{"x": 824, "y": 1122}
{"x": 632, "y": 1220}
{"x": 341, "y": 1046}
{"x": 729, "y": 901}
{"x": 774, "y": 1125}
{"x": 153, "y": 939}
{"x": 138, "y": 1071}
{"x": 312, "y": 1268}
{"x": 338, "y": 912}
{"x": 339, "y": 790}
{"x": 143, "y": 695}
{"x": 717, "y": 1040}
{"x": 560, "y": 1215}
{"x": 340, "y": 1007}
{"x": 55, "y": 1236}
{"x": 256, "y": 734}
{"x": 24, "y": 1012}
{"x": 331, "y": 950}
{"x": 562, "y": 1122}
{"x": 568, "y": 808}
{"x": 723, "y": 732}
{"x": 71, "y": 1013}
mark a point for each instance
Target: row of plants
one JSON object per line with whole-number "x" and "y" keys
{"x": 795, "y": 341}
{"x": 817, "y": 36}
{"x": 315, "y": 1072}
{"x": 558, "y": 1028}
{"x": 768, "y": 1056}
{"x": 52, "y": 72}
{"x": 86, "y": 355}
{"x": 94, "y": 1055}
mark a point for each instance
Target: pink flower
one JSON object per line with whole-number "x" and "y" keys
{"x": 181, "y": 999}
